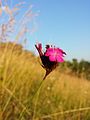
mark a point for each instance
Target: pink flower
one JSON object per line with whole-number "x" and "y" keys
{"x": 50, "y": 58}
{"x": 55, "y": 54}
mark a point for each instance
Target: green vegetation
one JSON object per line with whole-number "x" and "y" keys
{"x": 80, "y": 69}
{"x": 61, "y": 96}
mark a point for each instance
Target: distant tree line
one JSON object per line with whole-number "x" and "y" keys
{"x": 77, "y": 68}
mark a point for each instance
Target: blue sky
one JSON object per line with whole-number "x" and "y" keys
{"x": 63, "y": 23}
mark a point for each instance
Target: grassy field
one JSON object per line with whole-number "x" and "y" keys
{"x": 23, "y": 95}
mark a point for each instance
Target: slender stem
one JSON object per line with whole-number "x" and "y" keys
{"x": 66, "y": 112}
{"x": 35, "y": 106}
{"x": 41, "y": 83}
{"x": 36, "y": 100}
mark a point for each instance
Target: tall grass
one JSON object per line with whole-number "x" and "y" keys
{"x": 23, "y": 94}
{"x": 59, "y": 97}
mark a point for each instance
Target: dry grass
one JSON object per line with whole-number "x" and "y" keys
{"x": 59, "y": 97}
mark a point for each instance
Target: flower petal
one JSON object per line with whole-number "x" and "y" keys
{"x": 52, "y": 58}
{"x": 55, "y": 54}
{"x": 50, "y": 51}
{"x": 59, "y": 59}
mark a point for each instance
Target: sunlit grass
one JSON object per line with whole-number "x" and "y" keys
{"x": 59, "y": 97}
